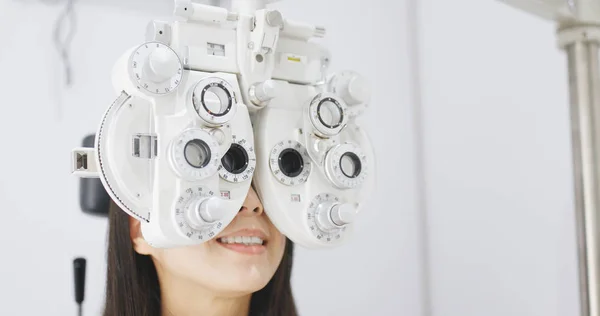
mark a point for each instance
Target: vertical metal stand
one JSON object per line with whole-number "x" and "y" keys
{"x": 581, "y": 44}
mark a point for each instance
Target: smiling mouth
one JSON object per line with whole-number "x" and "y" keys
{"x": 242, "y": 240}
{"x": 247, "y": 245}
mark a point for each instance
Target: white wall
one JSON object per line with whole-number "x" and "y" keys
{"x": 43, "y": 229}
{"x": 498, "y": 164}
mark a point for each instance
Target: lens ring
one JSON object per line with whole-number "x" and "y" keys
{"x": 239, "y": 162}
{"x": 334, "y": 108}
{"x": 350, "y": 160}
{"x": 331, "y": 122}
{"x": 222, "y": 94}
{"x": 194, "y": 155}
{"x": 214, "y": 100}
{"x": 290, "y": 162}
{"x": 236, "y": 159}
{"x": 197, "y": 153}
{"x": 346, "y": 166}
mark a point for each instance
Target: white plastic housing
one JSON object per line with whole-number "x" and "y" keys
{"x": 273, "y": 72}
{"x": 255, "y": 46}
{"x": 353, "y": 88}
{"x": 299, "y": 61}
{"x": 206, "y": 47}
{"x": 289, "y": 202}
{"x": 150, "y": 189}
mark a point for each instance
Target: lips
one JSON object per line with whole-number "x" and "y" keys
{"x": 244, "y": 236}
{"x": 246, "y": 241}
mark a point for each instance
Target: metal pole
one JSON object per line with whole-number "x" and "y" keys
{"x": 584, "y": 83}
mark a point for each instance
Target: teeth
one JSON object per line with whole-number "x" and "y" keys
{"x": 245, "y": 240}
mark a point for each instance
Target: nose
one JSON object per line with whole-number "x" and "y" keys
{"x": 252, "y": 206}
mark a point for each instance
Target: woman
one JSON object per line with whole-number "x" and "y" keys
{"x": 217, "y": 278}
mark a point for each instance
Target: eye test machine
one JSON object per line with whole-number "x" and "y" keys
{"x": 578, "y": 34}
{"x": 223, "y": 95}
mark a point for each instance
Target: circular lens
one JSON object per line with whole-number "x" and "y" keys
{"x": 235, "y": 160}
{"x": 216, "y": 100}
{"x": 291, "y": 162}
{"x": 330, "y": 113}
{"x": 197, "y": 153}
{"x": 350, "y": 165}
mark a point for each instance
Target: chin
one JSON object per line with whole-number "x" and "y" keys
{"x": 246, "y": 280}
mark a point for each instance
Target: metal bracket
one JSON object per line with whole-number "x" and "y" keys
{"x": 144, "y": 146}
{"x": 83, "y": 163}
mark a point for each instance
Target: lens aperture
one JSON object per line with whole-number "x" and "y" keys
{"x": 291, "y": 162}
{"x": 216, "y": 100}
{"x": 330, "y": 113}
{"x": 197, "y": 153}
{"x": 350, "y": 165}
{"x": 236, "y": 159}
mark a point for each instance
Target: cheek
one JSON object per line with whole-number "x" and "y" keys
{"x": 278, "y": 250}
{"x": 215, "y": 268}
{"x": 193, "y": 263}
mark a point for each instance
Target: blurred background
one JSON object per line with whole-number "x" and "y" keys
{"x": 473, "y": 213}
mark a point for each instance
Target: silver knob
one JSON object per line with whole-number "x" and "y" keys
{"x": 203, "y": 212}
{"x": 261, "y": 93}
{"x": 352, "y": 87}
{"x": 274, "y": 18}
{"x": 343, "y": 214}
{"x": 331, "y": 216}
{"x": 161, "y": 65}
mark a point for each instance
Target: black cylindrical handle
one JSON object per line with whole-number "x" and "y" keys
{"x": 79, "y": 270}
{"x": 93, "y": 198}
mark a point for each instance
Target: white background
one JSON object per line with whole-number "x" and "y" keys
{"x": 498, "y": 162}
{"x": 499, "y": 231}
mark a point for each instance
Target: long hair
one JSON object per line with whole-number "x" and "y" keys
{"x": 132, "y": 287}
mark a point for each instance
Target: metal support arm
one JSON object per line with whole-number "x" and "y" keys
{"x": 582, "y": 45}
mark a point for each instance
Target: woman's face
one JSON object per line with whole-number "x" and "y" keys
{"x": 224, "y": 264}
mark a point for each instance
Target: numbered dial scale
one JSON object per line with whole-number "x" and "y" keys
{"x": 290, "y": 162}
{"x": 239, "y": 163}
{"x": 214, "y": 100}
{"x": 346, "y": 166}
{"x": 185, "y": 206}
{"x": 156, "y": 68}
{"x": 328, "y": 114}
{"x": 323, "y": 226}
{"x": 195, "y": 155}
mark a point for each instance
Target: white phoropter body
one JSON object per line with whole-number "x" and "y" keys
{"x": 578, "y": 34}
{"x": 161, "y": 146}
{"x": 322, "y": 173}
{"x": 222, "y": 96}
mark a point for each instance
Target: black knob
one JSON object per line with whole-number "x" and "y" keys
{"x": 93, "y": 198}
{"x": 79, "y": 270}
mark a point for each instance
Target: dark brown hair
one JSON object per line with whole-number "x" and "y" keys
{"x": 132, "y": 287}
